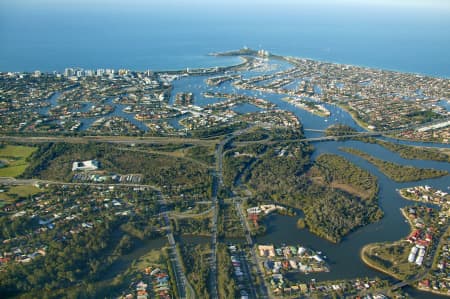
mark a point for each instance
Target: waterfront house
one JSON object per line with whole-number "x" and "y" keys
{"x": 266, "y": 250}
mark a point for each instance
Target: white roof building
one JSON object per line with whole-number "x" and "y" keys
{"x": 86, "y": 165}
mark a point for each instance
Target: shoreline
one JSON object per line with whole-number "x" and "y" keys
{"x": 409, "y": 199}
{"x": 351, "y": 112}
{"x": 289, "y": 57}
{"x": 368, "y": 263}
{"x": 251, "y": 52}
{"x": 411, "y": 225}
{"x": 373, "y": 266}
{"x": 431, "y": 291}
{"x": 376, "y": 267}
{"x": 300, "y": 103}
{"x": 417, "y": 200}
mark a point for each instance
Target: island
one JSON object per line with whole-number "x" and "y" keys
{"x": 311, "y": 107}
{"x": 397, "y": 172}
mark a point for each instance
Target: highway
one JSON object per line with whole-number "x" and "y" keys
{"x": 131, "y": 140}
{"x": 262, "y": 287}
{"x": 216, "y": 184}
{"x": 213, "y": 260}
{"x": 16, "y": 182}
{"x": 174, "y": 256}
{"x": 313, "y": 139}
{"x": 128, "y": 140}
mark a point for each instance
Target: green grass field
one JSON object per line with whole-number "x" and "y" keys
{"x": 24, "y": 190}
{"x": 16, "y": 192}
{"x": 15, "y": 159}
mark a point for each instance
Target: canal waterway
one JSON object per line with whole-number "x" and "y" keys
{"x": 86, "y": 122}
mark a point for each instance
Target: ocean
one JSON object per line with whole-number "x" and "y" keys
{"x": 52, "y": 35}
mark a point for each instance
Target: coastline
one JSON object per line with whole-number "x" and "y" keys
{"x": 208, "y": 70}
{"x": 371, "y": 265}
{"x": 288, "y": 58}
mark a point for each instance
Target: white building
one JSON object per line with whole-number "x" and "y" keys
{"x": 86, "y": 165}
{"x": 412, "y": 254}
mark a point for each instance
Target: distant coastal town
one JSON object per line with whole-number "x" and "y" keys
{"x": 108, "y": 101}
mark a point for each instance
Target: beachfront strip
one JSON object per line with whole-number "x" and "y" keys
{"x": 131, "y": 102}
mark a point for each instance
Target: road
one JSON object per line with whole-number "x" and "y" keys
{"x": 131, "y": 140}
{"x": 187, "y": 215}
{"x": 313, "y": 139}
{"x": 111, "y": 139}
{"x": 15, "y": 182}
{"x": 216, "y": 184}
{"x": 217, "y": 181}
{"x": 263, "y": 292}
{"x": 183, "y": 285}
{"x": 259, "y": 271}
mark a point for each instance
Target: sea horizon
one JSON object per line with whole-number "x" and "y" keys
{"x": 52, "y": 38}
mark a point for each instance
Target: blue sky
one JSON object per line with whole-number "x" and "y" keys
{"x": 439, "y": 4}
{"x": 430, "y": 8}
